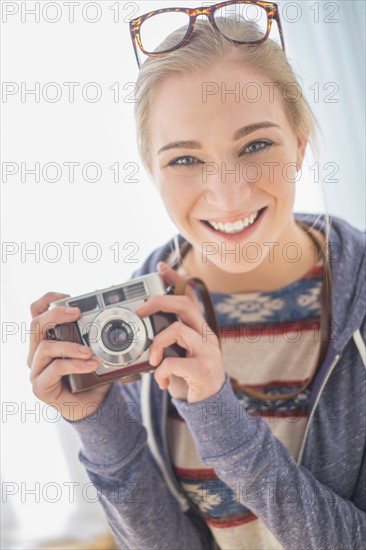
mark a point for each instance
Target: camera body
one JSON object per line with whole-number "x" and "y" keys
{"x": 119, "y": 338}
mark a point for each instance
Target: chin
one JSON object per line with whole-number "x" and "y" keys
{"x": 234, "y": 257}
{"x": 234, "y": 266}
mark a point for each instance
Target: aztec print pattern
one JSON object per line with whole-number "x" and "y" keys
{"x": 258, "y": 335}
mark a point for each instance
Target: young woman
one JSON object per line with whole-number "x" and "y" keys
{"x": 256, "y": 439}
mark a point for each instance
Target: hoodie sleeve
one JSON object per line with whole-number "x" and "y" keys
{"x": 141, "y": 511}
{"x": 296, "y": 508}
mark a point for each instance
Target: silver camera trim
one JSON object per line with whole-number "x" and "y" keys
{"x": 131, "y": 354}
{"x": 151, "y": 284}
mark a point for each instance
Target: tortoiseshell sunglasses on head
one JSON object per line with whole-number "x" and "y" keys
{"x": 145, "y": 29}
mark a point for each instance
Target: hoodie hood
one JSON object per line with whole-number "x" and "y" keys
{"x": 347, "y": 247}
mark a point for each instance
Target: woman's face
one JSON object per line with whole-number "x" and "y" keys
{"x": 224, "y": 158}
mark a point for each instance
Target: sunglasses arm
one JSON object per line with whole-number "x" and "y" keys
{"x": 279, "y": 26}
{"x": 135, "y": 46}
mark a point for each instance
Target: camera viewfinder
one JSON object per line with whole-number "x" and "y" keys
{"x": 85, "y": 304}
{"x": 113, "y": 297}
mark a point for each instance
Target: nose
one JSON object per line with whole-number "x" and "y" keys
{"x": 227, "y": 187}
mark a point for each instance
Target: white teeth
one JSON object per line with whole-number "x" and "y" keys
{"x": 235, "y": 227}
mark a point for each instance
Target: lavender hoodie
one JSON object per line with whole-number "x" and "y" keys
{"x": 317, "y": 502}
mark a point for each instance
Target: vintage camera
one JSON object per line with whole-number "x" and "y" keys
{"x": 119, "y": 338}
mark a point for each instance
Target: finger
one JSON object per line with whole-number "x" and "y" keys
{"x": 168, "y": 274}
{"x": 47, "y": 320}
{"x": 177, "y": 333}
{"x": 52, "y": 317}
{"x": 49, "y": 380}
{"x": 172, "y": 277}
{"x": 41, "y": 305}
{"x": 181, "y": 305}
{"x": 49, "y": 350}
{"x": 202, "y": 380}
{"x": 175, "y": 366}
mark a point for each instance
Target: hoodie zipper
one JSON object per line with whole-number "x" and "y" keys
{"x": 311, "y": 417}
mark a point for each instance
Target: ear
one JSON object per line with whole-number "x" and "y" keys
{"x": 302, "y": 142}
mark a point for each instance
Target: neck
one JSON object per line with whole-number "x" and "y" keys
{"x": 272, "y": 273}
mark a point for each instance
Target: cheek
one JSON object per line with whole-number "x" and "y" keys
{"x": 281, "y": 190}
{"x": 279, "y": 177}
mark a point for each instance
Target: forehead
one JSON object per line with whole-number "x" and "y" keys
{"x": 223, "y": 98}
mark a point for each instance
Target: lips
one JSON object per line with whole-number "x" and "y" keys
{"x": 234, "y": 220}
{"x": 245, "y": 232}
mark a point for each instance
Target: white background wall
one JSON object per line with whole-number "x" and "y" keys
{"x": 325, "y": 41}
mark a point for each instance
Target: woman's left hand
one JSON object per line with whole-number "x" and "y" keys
{"x": 201, "y": 372}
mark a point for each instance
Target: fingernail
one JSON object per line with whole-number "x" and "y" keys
{"x": 84, "y": 349}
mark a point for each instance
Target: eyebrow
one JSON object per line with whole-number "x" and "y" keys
{"x": 242, "y": 132}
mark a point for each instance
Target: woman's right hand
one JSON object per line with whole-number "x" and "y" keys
{"x": 47, "y": 366}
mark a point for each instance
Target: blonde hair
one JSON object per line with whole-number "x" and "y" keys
{"x": 208, "y": 47}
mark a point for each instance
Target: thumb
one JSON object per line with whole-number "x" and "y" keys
{"x": 169, "y": 275}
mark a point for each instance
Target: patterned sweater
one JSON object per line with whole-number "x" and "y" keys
{"x": 270, "y": 342}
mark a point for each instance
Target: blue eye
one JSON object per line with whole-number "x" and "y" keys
{"x": 256, "y": 146}
{"x": 183, "y": 161}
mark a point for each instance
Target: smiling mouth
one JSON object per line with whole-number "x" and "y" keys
{"x": 237, "y": 226}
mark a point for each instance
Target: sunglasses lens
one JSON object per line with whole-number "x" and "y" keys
{"x": 153, "y": 28}
{"x": 238, "y": 13}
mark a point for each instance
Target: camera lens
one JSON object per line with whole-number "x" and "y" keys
{"x": 117, "y": 335}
